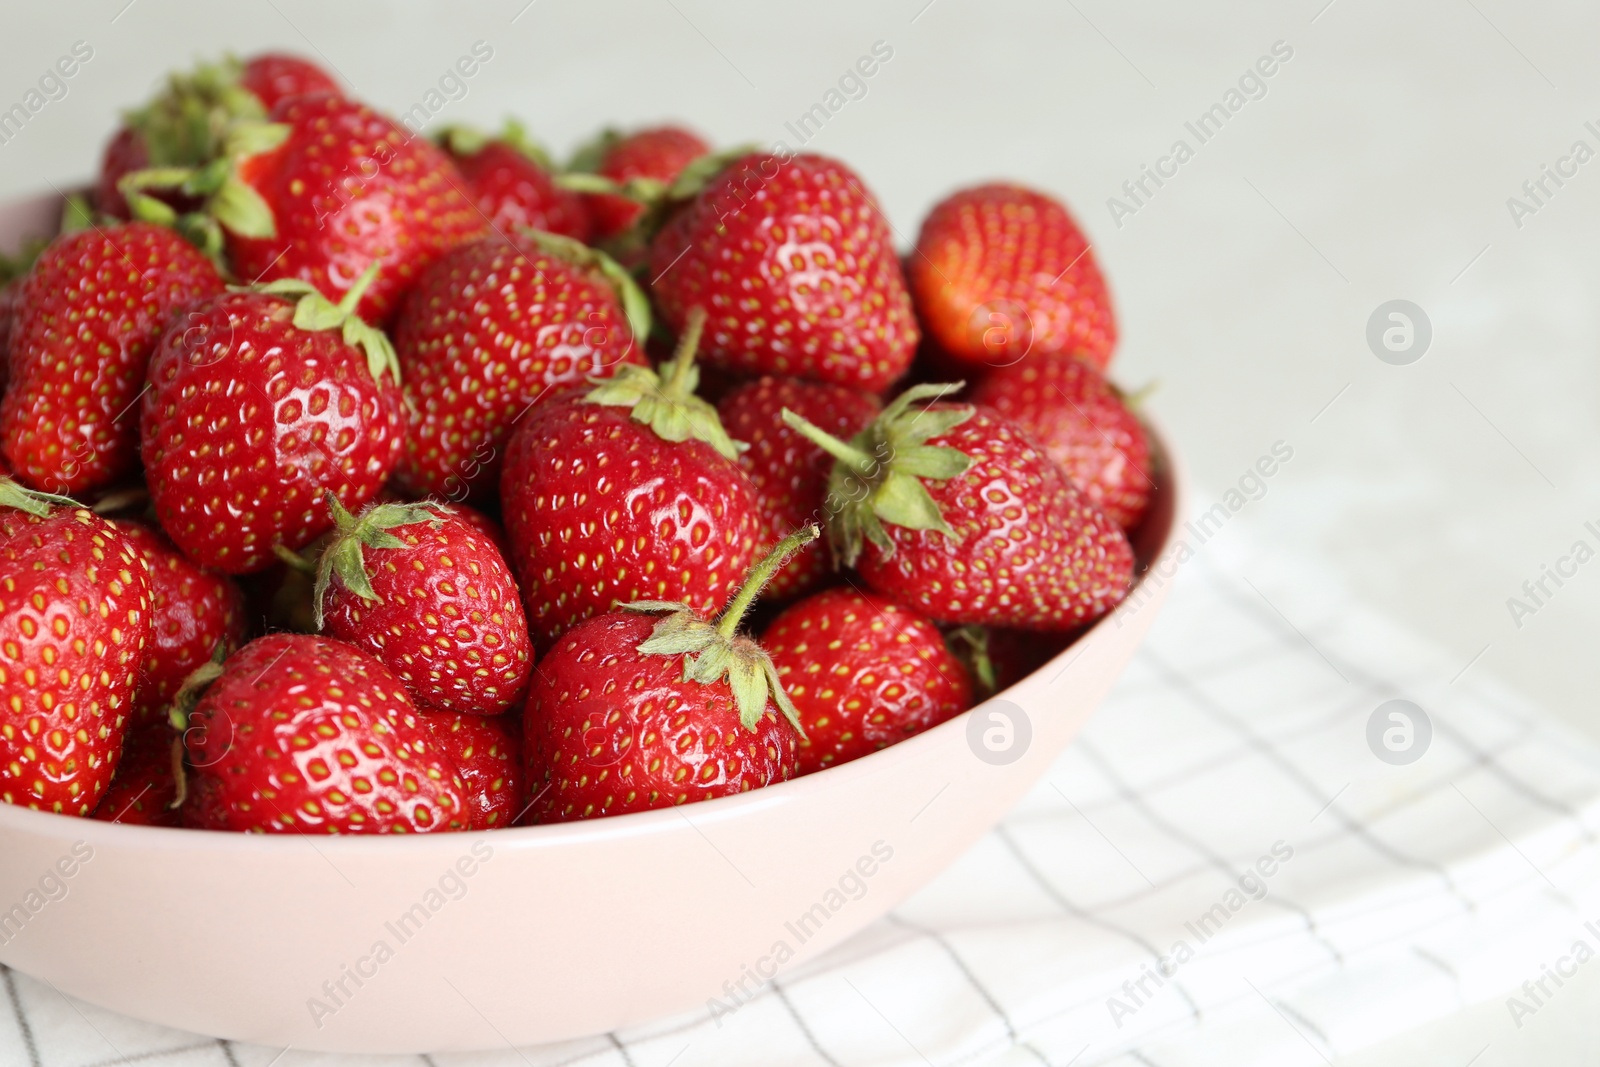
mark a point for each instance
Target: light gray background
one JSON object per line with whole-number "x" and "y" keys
{"x": 1377, "y": 166}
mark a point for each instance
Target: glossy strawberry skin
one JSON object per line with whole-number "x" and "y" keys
{"x": 864, "y": 673}
{"x": 74, "y": 620}
{"x": 488, "y": 331}
{"x": 601, "y": 511}
{"x": 346, "y": 188}
{"x": 1032, "y": 552}
{"x": 610, "y": 730}
{"x": 660, "y": 153}
{"x": 192, "y": 611}
{"x": 275, "y": 76}
{"x": 88, "y": 316}
{"x": 515, "y": 193}
{"x": 790, "y": 474}
{"x": 1077, "y": 417}
{"x": 144, "y": 788}
{"x": 310, "y": 735}
{"x": 795, "y": 264}
{"x": 448, "y": 621}
{"x": 249, "y": 419}
{"x": 1001, "y": 272}
{"x": 488, "y": 753}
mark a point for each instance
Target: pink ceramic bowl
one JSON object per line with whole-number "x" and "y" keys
{"x": 468, "y": 941}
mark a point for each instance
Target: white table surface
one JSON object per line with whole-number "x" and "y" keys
{"x": 1377, "y": 166}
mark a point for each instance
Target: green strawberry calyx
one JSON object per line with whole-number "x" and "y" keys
{"x": 230, "y": 202}
{"x": 665, "y": 400}
{"x": 715, "y": 650}
{"x": 469, "y": 141}
{"x": 657, "y": 197}
{"x": 314, "y": 312}
{"x": 878, "y": 475}
{"x": 14, "y": 494}
{"x": 185, "y": 123}
{"x": 345, "y": 556}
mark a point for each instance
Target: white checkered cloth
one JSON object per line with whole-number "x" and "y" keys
{"x": 1237, "y": 742}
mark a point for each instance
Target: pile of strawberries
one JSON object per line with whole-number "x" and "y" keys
{"x": 360, "y": 482}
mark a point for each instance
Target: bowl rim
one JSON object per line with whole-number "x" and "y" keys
{"x": 1170, "y": 476}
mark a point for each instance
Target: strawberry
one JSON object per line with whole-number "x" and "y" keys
{"x": 187, "y": 122}
{"x": 88, "y": 316}
{"x": 1080, "y": 420}
{"x": 431, "y": 598}
{"x": 793, "y": 259}
{"x": 625, "y": 491}
{"x": 298, "y": 734}
{"x": 489, "y": 329}
{"x": 646, "y": 161}
{"x": 509, "y": 178}
{"x": 144, "y": 791}
{"x": 275, "y": 76}
{"x": 949, "y": 509}
{"x": 74, "y": 620}
{"x": 326, "y": 189}
{"x": 1001, "y": 271}
{"x": 634, "y": 713}
{"x": 863, "y": 672}
{"x": 789, "y": 472}
{"x": 259, "y": 402}
{"x": 487, "y": 750}
{"x": 193, "y": 613}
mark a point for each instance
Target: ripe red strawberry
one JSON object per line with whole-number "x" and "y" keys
{"x": 423, "y": 591}
{"x": 74, "y": 619}
{"x": 634, "y": 713}
{"x": 299, "y": 734}
{"x": 648, "y": 160}
{"x": 325, "y": 190}
{"x": 144, "y": 791}
{"x": 790, "y": 473}
{"x": 626, "y": 491}
{"x": 87, "y": 318}
{"x": 250, "y": 418}
{"x": 488, "y": 330}
{"x": 794, "y": 262}
{"x": 193, "y": 611}
{"x": 487, "y": 750}
{"x": 275, "y": 76}
{"x": 509, "y": 178}
{"x": 863, "y": 672}
{"x": 1001, "y": 272}
{"x": 187, "y": 122}
{"x": 1080, "y": 420}
{"x": 950, "y": 510}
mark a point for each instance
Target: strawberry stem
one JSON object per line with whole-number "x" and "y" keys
{"x": 353, "y": 295}
{"x": 854, "y": 458}
{"x": 679, "y": 380}
{"x": 728, "y": 622}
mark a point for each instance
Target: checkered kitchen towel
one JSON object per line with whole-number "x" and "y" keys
{"x": 1235, "y": 863}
